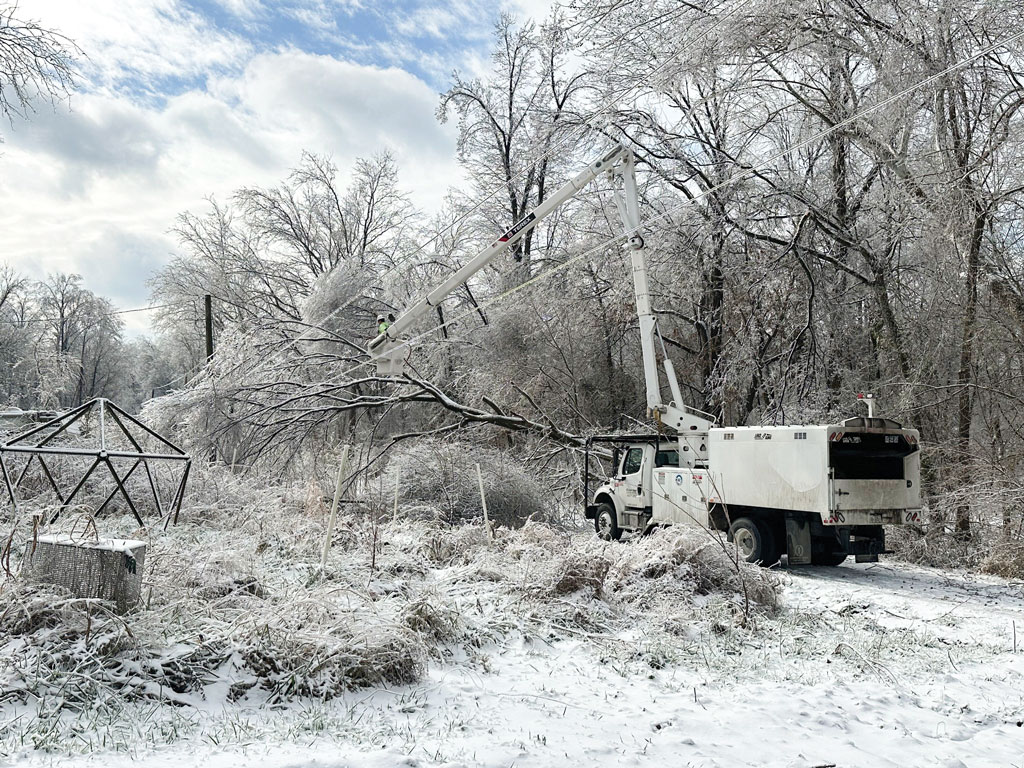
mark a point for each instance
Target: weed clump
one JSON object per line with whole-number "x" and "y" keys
{"x": 441, "y": 474}
{"x": 673, "y": 564}
{"x": 432, "y": 619}
{"x": 323, "y": 665}
{"x": 582, "y": 571}
{"x": 1005, "y": 559}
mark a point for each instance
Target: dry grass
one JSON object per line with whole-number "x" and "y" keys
{"x": 1005, "y": 559}
{"x": 236, "y": 607}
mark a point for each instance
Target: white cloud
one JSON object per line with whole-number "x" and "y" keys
{"x": 435, "y": 21}
{"x": 104, "y": 135}
{"x": 243, "y": 9}
{"x": 95, "y": 190}
{"x": 536, "y": 10}
{"x": 349, "y": 105}
{"x": 138, "y": 42}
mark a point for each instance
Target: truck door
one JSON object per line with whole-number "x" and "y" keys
{"x": 635, "y": 466}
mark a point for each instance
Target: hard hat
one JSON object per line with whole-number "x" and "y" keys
{"x": 380, "y": 318}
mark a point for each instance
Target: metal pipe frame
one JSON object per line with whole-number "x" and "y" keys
{"x": 91, "y": 452}
{"x": 40, "y": 449}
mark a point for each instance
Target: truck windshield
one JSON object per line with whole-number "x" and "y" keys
{"x": 863, "y": 456}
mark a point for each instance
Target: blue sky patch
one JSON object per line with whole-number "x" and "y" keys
{"x": 180, "y": 101}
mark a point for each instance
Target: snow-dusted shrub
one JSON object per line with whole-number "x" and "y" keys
{"x": 327, "y": 660}
{"x": 444, "y": 545}
{"x": 676, "y": 562}
{"x": 1006, "y": 559}
{"x": 442, "y": 474}
{"x": 32, "y": 610}
{"x": 432, "y": 618}
{"x": 936, "y": 546}
{"x": 582, "y": 570}
{"x": 538, "y": 535}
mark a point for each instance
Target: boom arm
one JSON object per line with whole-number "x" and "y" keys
{"x": 691, "y": 426}
{"x": 386, "y": 348}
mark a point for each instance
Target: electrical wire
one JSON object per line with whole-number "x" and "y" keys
{"x": 149, "y": 308}
{"x": 588, "y": 123}
{"x": 753, "y": 169}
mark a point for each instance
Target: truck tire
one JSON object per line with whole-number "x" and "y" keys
{"x": 754, "y": 542}
{"x": 606, "y": 524}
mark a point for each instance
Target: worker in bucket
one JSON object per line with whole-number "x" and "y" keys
{"x": 382, "y": 324}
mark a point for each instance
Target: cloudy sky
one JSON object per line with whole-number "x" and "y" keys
{"x": 179, "y": 100}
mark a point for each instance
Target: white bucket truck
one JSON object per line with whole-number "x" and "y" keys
{"x": 816, "y": 493}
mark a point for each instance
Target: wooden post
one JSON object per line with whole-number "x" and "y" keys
{"x": 342, "y": 471}
{"x": 483, "y": 501}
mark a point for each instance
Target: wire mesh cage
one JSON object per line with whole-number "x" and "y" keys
{"x": 105, "y": 569}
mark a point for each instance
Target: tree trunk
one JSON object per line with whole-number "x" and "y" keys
{"x": 965, "y": 375}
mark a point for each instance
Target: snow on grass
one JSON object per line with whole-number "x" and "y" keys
{"x": 541, "y": 700}
{"x": 423, "y": 644}
{"x": 239, "y": 622}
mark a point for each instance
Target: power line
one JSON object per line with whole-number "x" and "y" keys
{"x": 588, "y": 123}
{"x": 149, "y": 308}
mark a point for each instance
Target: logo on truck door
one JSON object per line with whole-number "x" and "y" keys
{"x": 679, "y": 479}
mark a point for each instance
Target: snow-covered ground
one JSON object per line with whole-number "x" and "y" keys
{"x": 880, "y": 665}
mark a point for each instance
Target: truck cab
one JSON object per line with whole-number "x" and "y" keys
{"x": 641, "y": 465}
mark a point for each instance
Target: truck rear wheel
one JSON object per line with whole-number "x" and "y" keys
{"x": 606, "y": 524}
{"x": 754, "y": 542}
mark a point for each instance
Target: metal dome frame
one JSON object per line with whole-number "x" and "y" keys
{"x": 123, "y": 422}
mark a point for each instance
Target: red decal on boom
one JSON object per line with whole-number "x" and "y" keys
{"x": 519, "y": 227}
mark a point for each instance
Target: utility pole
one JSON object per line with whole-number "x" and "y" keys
{"x": 208, "y": 301}
{"x": 209, "y": 326}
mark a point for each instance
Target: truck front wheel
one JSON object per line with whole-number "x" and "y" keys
{"x": 606, "y": 524}
{"x": 754, "y": 542}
